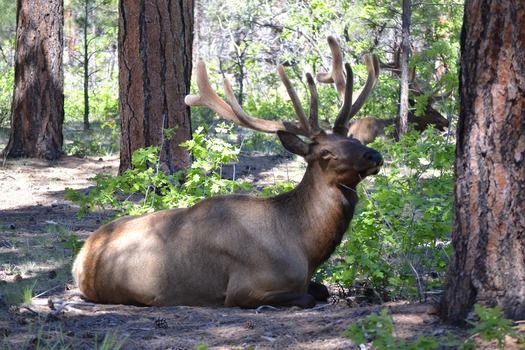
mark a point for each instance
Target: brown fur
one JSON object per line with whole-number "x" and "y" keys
{"x": 234, "y": 250}
{"x": 368, "y": 129}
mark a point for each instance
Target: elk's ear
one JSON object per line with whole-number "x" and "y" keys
{"x": 293, "y": 143}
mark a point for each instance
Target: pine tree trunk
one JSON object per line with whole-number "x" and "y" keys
{"x": 37, "y": 111}
{"x": 488, "y": 263}
{"x": 155, "y": 64}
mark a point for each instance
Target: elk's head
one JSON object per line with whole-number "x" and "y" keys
{"x": 429, "y": 117}
{"x": 342, "y": 160}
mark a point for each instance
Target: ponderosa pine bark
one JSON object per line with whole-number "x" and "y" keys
{"x": 37, "y": 110}
{"x": 155, "y": 64}
{"x": 488, "y": 263}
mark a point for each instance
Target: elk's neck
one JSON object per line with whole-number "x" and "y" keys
{"x": 320, "y": 213}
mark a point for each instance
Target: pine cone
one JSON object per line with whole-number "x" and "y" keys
{"x": 161, "y": 322}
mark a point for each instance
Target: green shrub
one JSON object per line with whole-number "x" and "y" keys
{"x": 492, "y": 325}
{"x": 101, "y": 139}
{"x": 7, "y": 76}
{"x": 145, "y": 188}
{"x": 378, "y": 329}
{"x": 398, "y": 242}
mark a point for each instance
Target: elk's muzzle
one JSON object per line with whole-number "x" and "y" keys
{"x": 375, "y": 160}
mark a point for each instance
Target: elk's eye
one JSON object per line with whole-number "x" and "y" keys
{"x": 326, "y": 153}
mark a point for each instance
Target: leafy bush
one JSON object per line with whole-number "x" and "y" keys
{"x": 492, "y": 325}
{"x": 99, "y": 140}
{"x": 378, "y": 329}
{"x": 146, "y": 188}
{"x": 7, "y": 76}
{"x": 398, "y": 242}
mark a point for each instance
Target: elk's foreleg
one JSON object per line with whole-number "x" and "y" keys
{"x": 252, "y": 299}
{"x": 318, "y": 291}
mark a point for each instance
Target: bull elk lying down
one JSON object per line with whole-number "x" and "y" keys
{"x": 368, "y": 129}
{"x": 240, "y": 250}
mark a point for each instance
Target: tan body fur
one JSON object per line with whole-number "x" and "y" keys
{"x": 232, "y": 250}
{"x": 368, "y": 129}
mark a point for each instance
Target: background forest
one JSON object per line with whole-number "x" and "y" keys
{"x": 398, "y": 244}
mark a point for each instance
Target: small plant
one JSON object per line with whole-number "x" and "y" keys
{"x": 97, "y": 141}
{"x": 378, "y": 329}
{"x": 72, "y": 242}
{"x": 111, "y": 341}
{"x": 10, "y": 268}
{"x": 69, "y": 240}
{"x": 280, "y": 187}
{"x": 47, "y": 336}
{"x": 27, "y": 294}
{"x": 492, "y": 325}
{"x": 375, "y": 328}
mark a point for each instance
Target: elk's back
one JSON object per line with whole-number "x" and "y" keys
{"x": 188, "y": 256}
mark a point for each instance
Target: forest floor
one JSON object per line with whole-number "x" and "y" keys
{"x": 41, "y": 309}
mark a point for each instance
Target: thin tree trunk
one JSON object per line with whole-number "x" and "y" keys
{"x": 155, "y": 64}
{"x": 86, "y": 67}
{"x": 37, "y": 112}
{"x": 71, "y": 32}
{"x": 402, "y": 120}
{"x": 488, "y": 263}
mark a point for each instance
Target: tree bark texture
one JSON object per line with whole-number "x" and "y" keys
{"x": 37, "y": 110}
{"x": 402, "y": 120}
{"x": 155, "y": 63}
{"x": 488, "y": 263}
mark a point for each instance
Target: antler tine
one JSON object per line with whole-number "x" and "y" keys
{"x": 372, "y": 66}
{"x": 435, "y": 97}
{"x": 335, "y": 76}
{"x": 299, "y": 111}
{"x": 207, "y": 97}
{"x": 246, "y": 119}
{"x": 343, "y": 118}
{"x": 233, "y": 112}
{"x": 415, "y": 88}
{"x": 354, "y": 100}
{"x": 314, "y": 103}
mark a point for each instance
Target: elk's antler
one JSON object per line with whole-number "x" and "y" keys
{"x": 306, "y": 126}
{"x": 234, "y": 112}
{"x": 413, "y": 85}
{"x": 352, "y": 101}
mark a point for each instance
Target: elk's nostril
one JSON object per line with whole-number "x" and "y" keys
{"x": 374, "y": 157}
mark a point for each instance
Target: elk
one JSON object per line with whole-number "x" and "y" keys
{"x": 368, "y": 129}
{"x": 240, "y": 250}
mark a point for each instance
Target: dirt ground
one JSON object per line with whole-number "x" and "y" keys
{"x": 35, "y": 220}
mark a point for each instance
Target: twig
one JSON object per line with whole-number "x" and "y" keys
{"x": 263, "y": 307}
{"x": 47, "y": 291}
{"x": 63, "y": 304}
{"x": 56, "y": 306}
{"x": 318, "y": 307}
